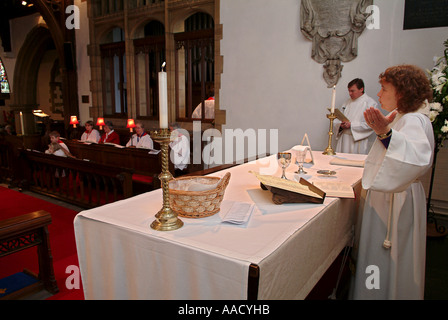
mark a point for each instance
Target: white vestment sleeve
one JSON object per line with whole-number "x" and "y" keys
{"x": 146, "y": 142}
{"x": 360, "y": 130}
{"x": 96, "y": 136}
{"x": 408, "y": 156}
{"x": 359, "y": 127}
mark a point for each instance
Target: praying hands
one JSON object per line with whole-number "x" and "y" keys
{"x": 377, "y": 121}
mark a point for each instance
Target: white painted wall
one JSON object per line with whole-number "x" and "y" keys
{"x": 271, "y": 82}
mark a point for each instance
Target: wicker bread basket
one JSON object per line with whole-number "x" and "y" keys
{"x": 198, "y": 204}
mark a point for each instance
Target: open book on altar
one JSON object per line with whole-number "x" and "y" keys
{"x": 336, "y": 189}
{"x": 288, "y": 191}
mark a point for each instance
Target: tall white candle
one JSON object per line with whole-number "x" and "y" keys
{"x": 333, "y": 99}
{"x": 163, "y": 101}
{"x": 21, "y": 123}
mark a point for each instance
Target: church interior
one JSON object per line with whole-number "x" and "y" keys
{"x": 258, "y": 72}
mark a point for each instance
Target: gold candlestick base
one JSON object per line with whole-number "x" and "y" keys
{"x": 329, "y": 150}
{"x": 166, "y": 219}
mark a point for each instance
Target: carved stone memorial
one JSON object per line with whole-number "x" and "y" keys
{"x": 334, "y": 27}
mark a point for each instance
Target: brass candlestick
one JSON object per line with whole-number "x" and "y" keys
{"x": 166, "y": 219}
{"x": 329, "y": 150}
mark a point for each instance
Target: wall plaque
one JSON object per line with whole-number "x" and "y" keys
{"x": 334, "y": 27}
{"x": 425, "y": 14}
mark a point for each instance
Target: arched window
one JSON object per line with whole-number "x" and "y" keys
{"x": 149, "y": 56}
{"x": 195, "y": 69}
{"x": 5, "y": 91}
{"x": 113, "y": 69}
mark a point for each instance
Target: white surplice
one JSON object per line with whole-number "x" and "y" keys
{"x": 180, "y": 151}
{"x": 355, "y": 139}
{"x": 391, "y": 176}
{"x": 92, "y": 136}
{"x": 144, "y": 141}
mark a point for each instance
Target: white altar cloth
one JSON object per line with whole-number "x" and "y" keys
{"x": 121, "y": 257}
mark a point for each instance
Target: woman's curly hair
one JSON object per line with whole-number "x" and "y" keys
{"x": 411, "y": 85}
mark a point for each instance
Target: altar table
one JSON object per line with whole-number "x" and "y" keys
{"x": 286, "y": 248}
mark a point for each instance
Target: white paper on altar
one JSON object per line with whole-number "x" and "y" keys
{"x": 236, "y": 212}
{"x": 153, "y": 151}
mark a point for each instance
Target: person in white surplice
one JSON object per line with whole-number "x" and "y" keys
{"x": 91, "y": 134}
{"x": 353, "y": 136}
{"x": 392, "y": 244}
{"x": 180, "y": 149}
{"x": 141, "y": 139}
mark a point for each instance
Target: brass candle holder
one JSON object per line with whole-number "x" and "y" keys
{"x": 329, "y": 150}
{"x": 166, "y": 219}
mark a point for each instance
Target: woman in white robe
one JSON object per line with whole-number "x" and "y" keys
{"x": 91, "y": 134}
{"x": 392, "y": 246}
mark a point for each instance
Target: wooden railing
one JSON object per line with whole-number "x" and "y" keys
{"x": 100, "y": 173}
{"x": 137, "y": 159}
{"x": 146, "y": 167}
{"x": 83, "y": 183}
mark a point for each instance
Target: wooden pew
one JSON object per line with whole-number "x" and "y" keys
{"x": 146, "y": 167}
{"x": 25, "y": 231}
{"x": 9, "y": 153}
{"x": 84, "y": 183}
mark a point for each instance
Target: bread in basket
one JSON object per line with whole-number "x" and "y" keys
{"x": 197, "y": 196}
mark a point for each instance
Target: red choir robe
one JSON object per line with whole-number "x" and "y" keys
{"x": 113, "y": 137}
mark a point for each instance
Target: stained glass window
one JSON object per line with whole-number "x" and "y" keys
{"x": 3, "y": 79}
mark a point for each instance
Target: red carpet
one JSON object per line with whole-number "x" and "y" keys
{"x": 62, "y": 240}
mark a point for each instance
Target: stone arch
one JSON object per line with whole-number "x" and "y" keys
{"x": 27, "y": 66}
{"x": 137, "y": 30}
{"x": 104, "y": 33}
{"x": 178, "y": 19}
